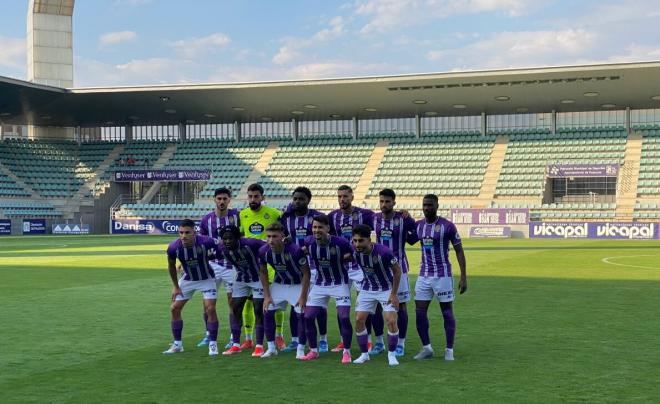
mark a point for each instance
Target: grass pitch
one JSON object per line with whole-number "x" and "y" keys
{"x": 85, "y": 319}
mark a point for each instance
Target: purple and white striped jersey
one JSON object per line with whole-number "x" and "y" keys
{"x": 298, "y": 227}
{"x": 328, "y": 259}
{"x": 211, "y": 224}
{"x": 195, "y": 259}
{"x": 341, "y": 225}
{"x": 245, "y": 258}
{"x": 377, "y": 268}
{"x": 434, "y": 240}
{"x": 288, "y": 264}
{"x": 394, "y": 233}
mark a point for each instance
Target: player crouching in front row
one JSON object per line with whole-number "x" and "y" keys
{"x": 194, "y": 253}
{"x": 382, "y": 274}
{"x": 290, "y": 285}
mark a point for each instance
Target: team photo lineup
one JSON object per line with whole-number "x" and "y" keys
{"x": 267, "y": 260}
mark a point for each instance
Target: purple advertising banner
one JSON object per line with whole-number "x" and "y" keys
{"x": 617, "y": 230}
{"x": 594, "y": 230}
{"x": 34, "y": 226}
{"x": 162, "y": 175}
{"x": 490, "y": 216}
{"x": 582, "y": 170}
{"x": 144, "y": 226}
{"x": 5, "y": 227}
{"x": 490, "y": 231}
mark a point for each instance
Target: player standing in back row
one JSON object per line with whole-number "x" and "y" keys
{"x": 435, "y": 278}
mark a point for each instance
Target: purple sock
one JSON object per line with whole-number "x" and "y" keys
{"x": 392, "y": 341}
{"x": 378, "y": 322}
{"x": 402, "y": 323}
{"x": 259, "y": 333}
{"x": 423, "y": 326}
{"x": 368, "y": 323}
{"x": 311, "y": 313}
{"x": 346, "y": 329}
{"x": 322, "y": 320}
{"x": 363, "y": 342}
{"x": 212, "y": 328}
{"x": 232, "y": 323}
{"x": 269, "y": 325}
{"x": 300, "y": 329}
{"x": 236, "y": 328}
{"x": 293, "y": 322}
{"x": 177, "y": 329}
{"x": 450, "y": 326}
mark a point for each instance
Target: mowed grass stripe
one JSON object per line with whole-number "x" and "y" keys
{"x": 536, "y": 325}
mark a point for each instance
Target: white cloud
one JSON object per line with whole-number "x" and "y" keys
{"x": 285, "y": 54}
{"x": 93, "y": 73}
{"x": 14, "y": 52}
{"x": 113, "y": 38}
{"x": 518, "y": 49}
{"x": 290, "y": 51}
{"x": 193, "y": 47}
{"x": 385, "y": 15}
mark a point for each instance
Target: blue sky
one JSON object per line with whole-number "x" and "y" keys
{"x": 130, "y": 42}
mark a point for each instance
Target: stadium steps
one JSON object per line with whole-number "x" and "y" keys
{"x": 162, "y": 161}
{"x": 260, "y": 167}
{"x": 370, "y": 170}
{"x": 33, "y": 194}
{"x": 85, "y": 191}
{"x": 493, "y": 171}
{"x": 628, "y": 178}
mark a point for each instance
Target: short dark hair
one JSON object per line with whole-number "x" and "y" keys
{"x": 222, "y": 190}
{"x": 323, "y": 219}
{"x": 387, "y": 192}
{"x": 362, "y": 230}
{"x": 233, "y": 230}
{"x": 345, "y": 188}
{"x": 275, "y": 226}
{"x": 303, "y": 190}
{"x": 187, "y": 223}
{"x": 256, "y": 187}
{"x": 431, "y": 196}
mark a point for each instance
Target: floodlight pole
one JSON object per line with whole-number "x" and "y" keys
{"x": 183, "y": 132}
{"x": 418, "y": 126}
{"x": 237, "y": 131}
{"x": 484, "y": 122}
{"x": 294, "y": 132}
{"x": 355, "y": 128}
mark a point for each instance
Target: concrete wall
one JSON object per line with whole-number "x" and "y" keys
{"x": 50, "y": 49}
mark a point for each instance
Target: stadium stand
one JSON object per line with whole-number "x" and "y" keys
{"x": 648, "y": 185}
{"x": 23, "y": 208}
{"x": 528, "y": 155}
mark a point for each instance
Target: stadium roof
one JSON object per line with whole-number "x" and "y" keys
{"x": 564, "y": 89}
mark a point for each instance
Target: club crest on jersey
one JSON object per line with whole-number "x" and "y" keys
{"x": 396, "y": 221}
{"x": 302, "y": 261}
{"x": 231, "y": 220}
{"x": 199, "y": 250}
{"x": 437, "y": 227}
{"x": 266, "y": 216}
{"x": 332, "y": 250}
{"x": 356, "y": 215}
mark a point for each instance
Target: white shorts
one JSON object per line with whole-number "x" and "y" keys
{"x": 283, "y": 295}
{"x": 403, "y": 294}
{"x": 319, "y": 295}
{"x": 367, "y": 301}
{"x": 188, "y": 288}
{"x": 223, "y": 276}
{"x": 245, "y": 289}
{"x": 442, "y": 288}
{"x": 356, "y": 277}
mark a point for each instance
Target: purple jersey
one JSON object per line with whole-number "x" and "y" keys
{"x": 377, "y": 268}
{"x": 298, "y": 227}
{"x": 328, "y": 259}
{"x": 394, "y": 233}
{"x": 341, "y": 225}
{"x": 245, "y": 259}
{"x": 194, "y": 259}
{"x": 288, "y": 264}
{"x": 210, "y": 226}
{"x": 434, "y": 239}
